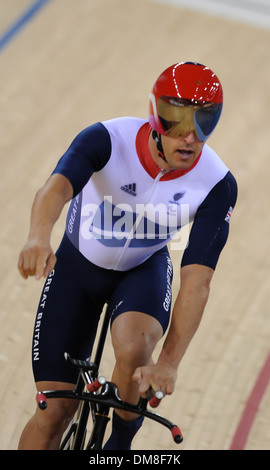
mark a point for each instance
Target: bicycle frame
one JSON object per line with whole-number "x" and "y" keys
{"x": 96, "y": 397}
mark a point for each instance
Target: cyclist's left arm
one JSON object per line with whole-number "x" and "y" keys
{"x": 207, "y": 239}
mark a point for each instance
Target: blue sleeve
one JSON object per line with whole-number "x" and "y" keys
{"x": 210, "y": 228}
{"x": 89, "y": 152}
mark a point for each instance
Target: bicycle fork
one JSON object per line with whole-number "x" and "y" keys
{"x": 101, "y": 420}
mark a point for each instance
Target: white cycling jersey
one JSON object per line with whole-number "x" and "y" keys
{"x": 123, "y": 214}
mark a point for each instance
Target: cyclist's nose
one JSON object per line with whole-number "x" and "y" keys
{"x": 190, "y": 137}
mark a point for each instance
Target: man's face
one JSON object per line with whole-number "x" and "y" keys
{"x": 182, "y": 151}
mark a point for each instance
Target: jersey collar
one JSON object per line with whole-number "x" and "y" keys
{"x": 147, "y": 161}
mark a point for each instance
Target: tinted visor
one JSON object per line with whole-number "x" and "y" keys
{"x": 178, "y": 117}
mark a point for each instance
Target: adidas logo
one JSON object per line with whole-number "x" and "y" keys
{"x": 130, "y": 189}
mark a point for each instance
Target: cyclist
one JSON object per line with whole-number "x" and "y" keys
{"x": 128, "y": 182}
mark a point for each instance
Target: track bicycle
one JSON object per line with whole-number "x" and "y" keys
{"x": 96, "y": 397}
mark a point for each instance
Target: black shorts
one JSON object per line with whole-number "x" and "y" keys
{"x": 73, "y": 298}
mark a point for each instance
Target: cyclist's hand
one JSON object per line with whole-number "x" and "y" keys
{"x": 36, "y": 259}
{"x": 160, "y": 376}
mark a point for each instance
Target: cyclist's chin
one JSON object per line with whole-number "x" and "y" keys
{"x": 180, "y": 161}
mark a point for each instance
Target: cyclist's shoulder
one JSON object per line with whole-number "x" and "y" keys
{"x": 211, "y": 161}
{"x": 222, "y": 196}
{"x": 213, "y": 170}
{"x": 123, "y": 127}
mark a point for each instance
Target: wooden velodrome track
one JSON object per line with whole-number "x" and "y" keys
{"x": 78, "y": 62}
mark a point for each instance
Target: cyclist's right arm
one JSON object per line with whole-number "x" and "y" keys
{"x": 37, "y": 257}
{"x": 88, "y": 152}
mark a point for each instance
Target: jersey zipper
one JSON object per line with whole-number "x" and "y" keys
{"x": 138, "y": 218}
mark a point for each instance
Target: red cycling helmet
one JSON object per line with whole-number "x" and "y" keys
{"x": 186, "y": 97}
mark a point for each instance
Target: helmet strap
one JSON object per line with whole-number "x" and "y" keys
{"x": 157, "y": 139}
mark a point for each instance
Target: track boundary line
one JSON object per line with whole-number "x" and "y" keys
{"x": 250, "y": 12}
{"x": 251, "y": 408}
{"x": 16, "y": 27}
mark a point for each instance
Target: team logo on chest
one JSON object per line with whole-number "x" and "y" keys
{"x": 130, "y": 189}
{"x": 172, "y": 209}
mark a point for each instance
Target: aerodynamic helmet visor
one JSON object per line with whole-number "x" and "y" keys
{"x": 179, "y": 116}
